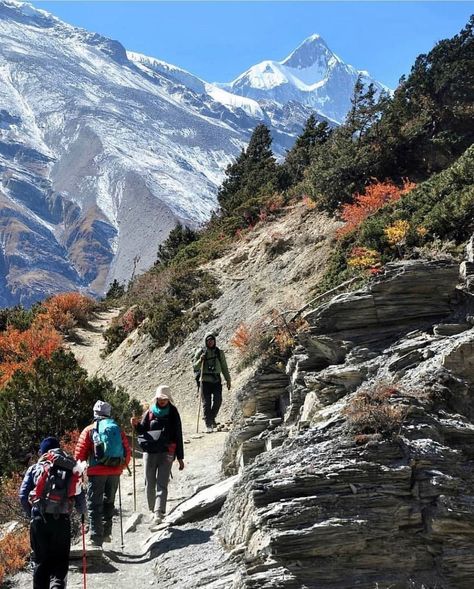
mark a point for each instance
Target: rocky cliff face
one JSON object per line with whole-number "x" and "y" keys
{"x": 357, "y": 460}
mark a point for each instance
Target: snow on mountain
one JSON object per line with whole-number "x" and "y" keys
{"x": 311, "y": 75}
{"x": 102, "y": 150}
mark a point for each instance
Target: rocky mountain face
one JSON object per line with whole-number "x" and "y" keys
{"x": 311, "y": 75}
{"x": 324, "y": 501}
{"x": 103, "y": 151}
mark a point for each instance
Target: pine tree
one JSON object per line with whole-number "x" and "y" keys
{"x": 252, "y": 175}
{"x": 116, "y": 291}
{"x": 178, "y": 238}
{"x": 299, "y": 156}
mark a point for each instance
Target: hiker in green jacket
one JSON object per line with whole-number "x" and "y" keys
{"x": 211, "y": 363}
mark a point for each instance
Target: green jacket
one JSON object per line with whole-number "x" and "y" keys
{"x": 214, "y": 365}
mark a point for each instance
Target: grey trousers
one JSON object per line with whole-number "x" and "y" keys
{"x": 101, "y": 490}
{"x": 157, "y": 468}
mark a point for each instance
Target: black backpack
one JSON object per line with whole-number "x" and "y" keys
{"x": 156, "y": 439}
{"x": 55, "y": 482}
{"x": 197, "y": 373}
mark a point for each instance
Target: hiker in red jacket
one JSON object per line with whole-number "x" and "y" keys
{"x": 104, "y": 445}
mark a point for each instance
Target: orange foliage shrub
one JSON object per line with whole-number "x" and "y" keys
{"x": 241, "y": 337}
{"x": 10, "y": 508}
{"x": 19, "y": 349}
{"x": 66, "y": 310}
{"x": 363, "y": 258}
{"x": 69, "y": 441}
{"x": 14, "y": 552}
{"x": 376, "y": 196}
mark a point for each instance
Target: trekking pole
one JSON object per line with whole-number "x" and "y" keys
{"x": 200, "y": 396}
{"x": 133, "y": 471}
{"x": 84, "y": 555}
{"x": 120, "y": 513}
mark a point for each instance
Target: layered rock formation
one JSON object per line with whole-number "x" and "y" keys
{"x": 368, "y": 480}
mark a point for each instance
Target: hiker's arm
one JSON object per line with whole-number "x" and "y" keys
{"x": 27, "y": 486}
{"x": 144, "y": 425}
{"x": 179, "y": 437}
{"x": 84, "y": 445}
{"x": 198, "y": 360}
{"x": 225, "y": 370}
{"x": 126, "y": 447}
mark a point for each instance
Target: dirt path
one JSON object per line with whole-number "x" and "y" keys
{"x": 89, "y": 343}
{"x": 182, "y": 556}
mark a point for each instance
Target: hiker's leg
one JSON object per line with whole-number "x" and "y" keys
{"x": 206, "y": 402}
{"x": 110, "y": 490}
{"x": 95, "y": 506}
{"x": 39, "y": 539}
{"x": 216, "y": 400}
{"x": 150, "y": 462}
{"x": 61, "y": 544}
{"x": 164, "y": 471}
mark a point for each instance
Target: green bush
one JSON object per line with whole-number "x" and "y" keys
{"x": 55, "y": 398}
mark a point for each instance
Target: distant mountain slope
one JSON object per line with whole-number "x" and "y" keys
{"x": 103, "y": 151}
{"x": 312, "y": 75}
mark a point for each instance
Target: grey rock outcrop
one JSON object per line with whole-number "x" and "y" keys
{"x": 336, "y": 505}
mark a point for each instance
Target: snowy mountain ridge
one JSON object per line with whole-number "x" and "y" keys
{"x": 102, "y": 151}
{"x": 312, "y": 75}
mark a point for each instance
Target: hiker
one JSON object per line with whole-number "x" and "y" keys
{"x": 49, "y": 491}
{"x": 160, "y": 436}
{"x": 104, "y": 445}
{"x": 211, "y": 362}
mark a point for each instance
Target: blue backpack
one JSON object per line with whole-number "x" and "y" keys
{"x": 108, "y": 446}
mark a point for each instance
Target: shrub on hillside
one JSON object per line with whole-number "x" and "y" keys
{"x": 375, "y": 411}
{"x": 14, "y": 552}
{"x": 54, "y": 398}
{"x": 19, "y": 350}
{"x": 65, "y": 311}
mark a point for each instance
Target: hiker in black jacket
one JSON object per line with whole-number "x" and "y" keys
{"x": 161, "y": 439}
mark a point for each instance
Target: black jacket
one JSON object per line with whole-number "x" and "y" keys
{"x": 173, "y": 428}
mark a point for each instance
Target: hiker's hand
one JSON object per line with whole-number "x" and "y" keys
{"x": 181, "y": 464}
{"x": 203, "y": 357}
{"x": 228, "y": 385}
{"x": 134, "y": 421}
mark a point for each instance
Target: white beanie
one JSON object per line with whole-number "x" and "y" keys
{"x": 163, "y": 392}
{"x": 102, "y": 409}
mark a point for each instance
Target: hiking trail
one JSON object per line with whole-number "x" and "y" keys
{"x": 176, "y": 555}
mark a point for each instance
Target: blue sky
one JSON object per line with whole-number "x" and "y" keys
{"x": 219, "y": 40}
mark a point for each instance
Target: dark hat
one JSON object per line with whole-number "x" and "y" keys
{"x": 48, "y": 444}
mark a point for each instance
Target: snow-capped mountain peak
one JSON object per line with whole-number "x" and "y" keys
{"x": 313, "y": 49}
{"x": 312, "y": 75}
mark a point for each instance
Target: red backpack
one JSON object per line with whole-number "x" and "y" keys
{"x": 55, "y": 482}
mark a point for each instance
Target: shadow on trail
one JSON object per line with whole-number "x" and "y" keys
{"x": 173, "y": 539}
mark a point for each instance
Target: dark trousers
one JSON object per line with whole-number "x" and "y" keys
{"x": 50, "y": 539}
{"x": 101, "y": 491}
{"x": 211, "y": 401}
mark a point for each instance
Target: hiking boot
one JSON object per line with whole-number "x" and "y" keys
{"x": 158, "y": 517}
{"x": 93, "y": 544}
{"x": 209, "y": 429}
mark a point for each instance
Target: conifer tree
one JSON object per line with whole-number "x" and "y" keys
{"x": 178, "y": 238}
{"x": 253, "y": 174}
{"x": 299, "y": 156}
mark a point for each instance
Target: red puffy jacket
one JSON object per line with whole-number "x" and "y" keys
{"x": 85, "y": 447}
